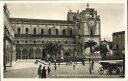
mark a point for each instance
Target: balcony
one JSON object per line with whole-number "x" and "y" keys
{"x": 40, "y": 35}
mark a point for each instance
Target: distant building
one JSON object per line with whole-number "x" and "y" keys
{"x": 31, "y": 35}
{"x": 8, "y": 40}
{"x": 119, "y": 44}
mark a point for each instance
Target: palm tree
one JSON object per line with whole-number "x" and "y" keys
{"x": 90, "y": 44}
{"x": 103, "y": 50}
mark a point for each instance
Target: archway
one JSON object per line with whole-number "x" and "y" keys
{"x": 31, "y": 53}
{"x": 38, "y": 54}
{"x": 43, "y": 54}
{"x": 18, "y": 53}
{"x": 25, "y": 54}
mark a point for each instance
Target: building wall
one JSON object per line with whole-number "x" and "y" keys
{"x": 9, "y": 46}
{"x": 25, "y": 42}
{"x": 119, "y": 44}
{"x": 76, "y": 23}
{"x": 45, "y": 27}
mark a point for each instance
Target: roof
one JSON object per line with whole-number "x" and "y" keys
{"x": 118, "y": 33}
{"x": 29, "y": 20}
{"x": 88, "y": 10}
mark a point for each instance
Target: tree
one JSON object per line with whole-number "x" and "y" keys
{"x": 90, "y": 44}
{"x": 110, "y": 45}
{"x": 53, "y": 49}
{"x": 103, "y": 50}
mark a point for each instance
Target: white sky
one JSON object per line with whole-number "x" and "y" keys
{"x": 112, "y": 14}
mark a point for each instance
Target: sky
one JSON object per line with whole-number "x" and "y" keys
{"x": 111, "y": 14}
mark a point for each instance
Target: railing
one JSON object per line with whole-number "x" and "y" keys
{"x": 40, "y": 35}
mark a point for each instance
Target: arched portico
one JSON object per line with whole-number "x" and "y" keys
{"x": 31, "y": 53}
{"x": 18, "y": 53}
{"x": 24, "y": 53}
{"x": 38, "y": 53}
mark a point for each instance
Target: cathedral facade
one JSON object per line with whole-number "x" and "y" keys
{"x": 32, "y": 35}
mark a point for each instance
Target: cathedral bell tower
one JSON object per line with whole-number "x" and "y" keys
{"x": 89, "y": 26}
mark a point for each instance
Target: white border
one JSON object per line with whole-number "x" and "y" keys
{"x": 60, "y": 1}
{"x": 1, "y": 40}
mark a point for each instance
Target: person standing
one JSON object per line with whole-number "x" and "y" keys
{"x": 55, "y": 62}
{"x": 48, "y": 70}
{"x": 90, "y": 68}
{"x": 59, "y": 63}
{"x": 92, "y": 64}
{"x": 39, "y": 71}
{"x": 49, "y": 63}
{"x": 55, "y": 67}
{"x": 74, "y": 65}
{"x": 76, "y": 62}
{"x": 43, "y": 74}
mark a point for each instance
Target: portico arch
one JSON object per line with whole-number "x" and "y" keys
{"x": 18, "y": 53}
{"x": 43, "y": 54}
{"x": 24, "y": 54}
{"x": 31, "y": 53}
{"x": 38, "y": 53}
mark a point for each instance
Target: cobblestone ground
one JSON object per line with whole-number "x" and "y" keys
{"x": 28, "y": 69}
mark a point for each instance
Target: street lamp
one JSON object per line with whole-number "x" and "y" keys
{"x": 11, "y": 52}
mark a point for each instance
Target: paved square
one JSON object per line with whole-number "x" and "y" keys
{"x": 28, "y": 69}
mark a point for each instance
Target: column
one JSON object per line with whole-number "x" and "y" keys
{"x": 28, "y": 53}
{"x": 41, "y": 53}
{"x": 21, "y": 53}
{"x": 62, "y": 54}
{"x": 34, "y": 52}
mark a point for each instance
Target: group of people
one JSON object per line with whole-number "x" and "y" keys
{"x": 42, "y": 72}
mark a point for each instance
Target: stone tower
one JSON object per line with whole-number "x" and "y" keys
{"x": 89, "y": 27}
{"x": 87, "y": 24}
{"x": 73, "y": 16}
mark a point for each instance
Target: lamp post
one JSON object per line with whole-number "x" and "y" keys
{"x": 11, "y": 52}
{"x": 4, "y": 53}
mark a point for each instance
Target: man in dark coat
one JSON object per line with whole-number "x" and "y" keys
{"x": 49, "y": 70}
{"x": 43, "y": 73}
{"x": 92, "y": 64}
{"x": 39, "y": 71}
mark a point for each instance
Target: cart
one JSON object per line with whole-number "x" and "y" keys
{"x": 112, "y": 66}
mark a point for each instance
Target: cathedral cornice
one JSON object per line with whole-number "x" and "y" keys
{"x": 30, "y": 20}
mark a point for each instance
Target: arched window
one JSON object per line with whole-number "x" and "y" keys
{"x": 34, "y": 41}
{"x": 49, "y": 31}
{"x": 19, "y": 30}
{"x": 34, "y": 30}
{"x": 63, "y": 31}
{"x": 66, "y": 42}
{"x": 71, "y": 32}
{"x": 91, "y": 32}
{"x": 26, "y": 41}
{"x": 17, "y": 41}
{"x": 42, "y": 31}
{"x": 56, "y": 31}
{"x": 42, "y": 41}
{"x": 27, "y": 30}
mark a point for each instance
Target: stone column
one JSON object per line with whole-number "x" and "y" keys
{"x": 41, "y": 52}
{"x": 62, "y": 54}
{"x": 34, "y": 52}
{"x": 28, "y": 53}
{"x": 21, "y": 53}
